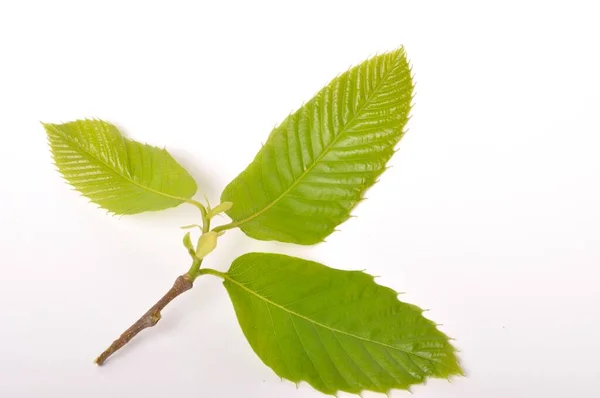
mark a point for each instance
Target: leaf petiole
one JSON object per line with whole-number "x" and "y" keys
{"x": 225, "y": 227}
{"x": 210, "y": 271}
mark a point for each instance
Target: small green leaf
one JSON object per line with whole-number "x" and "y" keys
{"x": 315, "y": 167}
{"x": 187, "y": 242}
{"x": 337, "y": 330}
{"x": 191, "y": 226}
{"x": 219, "y": 209}
{"x": 119, "y": 174}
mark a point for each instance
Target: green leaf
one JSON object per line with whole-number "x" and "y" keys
{"x": 119, "y": 174}
{"x": 337, "y": 330}
{"x": 315, "y": 167}
{"x": 220, "y": 208}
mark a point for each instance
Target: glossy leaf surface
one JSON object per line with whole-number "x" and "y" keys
{"x": 119, "y": 174}
{"x": 337, "y": 330}
{"x": 315, "y": 167}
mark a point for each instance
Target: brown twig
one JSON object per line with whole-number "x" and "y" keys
{"x": 182, "y": 284}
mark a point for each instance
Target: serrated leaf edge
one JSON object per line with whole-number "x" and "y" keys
{"x": 74, "y": 143}
{"x": 401, "y": 53}
{"x": 456, "y": 371}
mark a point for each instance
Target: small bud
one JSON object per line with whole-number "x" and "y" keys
{"x": 187, "y": 242}
{"x": 220, "y": 209}
{"x": 206, "y": 244}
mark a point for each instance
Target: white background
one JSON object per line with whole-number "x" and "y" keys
{"x": 490, "y": 215}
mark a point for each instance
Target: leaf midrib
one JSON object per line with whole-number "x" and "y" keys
{"x": 319, "y": 158}
{"x": 266, "y": 300}
{"x": 90, "y": 154}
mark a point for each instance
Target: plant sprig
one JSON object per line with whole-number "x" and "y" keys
{"x": 337, "y": 330}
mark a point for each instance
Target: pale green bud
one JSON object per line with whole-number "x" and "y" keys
{"x": 206, "y": 244}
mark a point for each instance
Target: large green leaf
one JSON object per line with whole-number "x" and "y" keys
{"x": 118, "y": 174}
{"x": 315, "y": 167}
{"x": 337, "y": 330}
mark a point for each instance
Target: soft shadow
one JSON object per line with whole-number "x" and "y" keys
{"x": 203, "y": 173}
